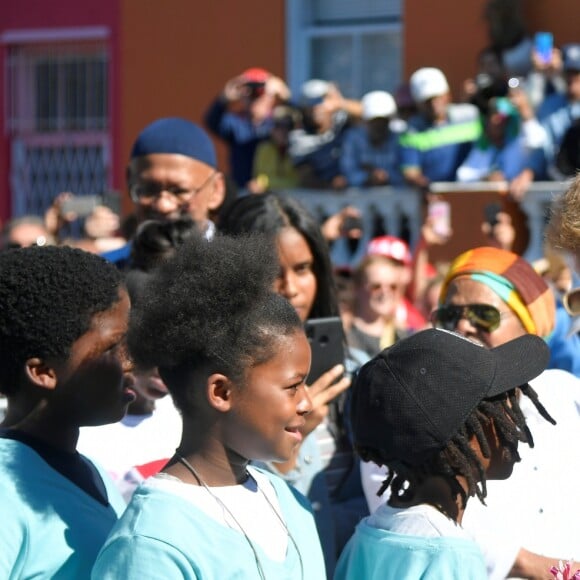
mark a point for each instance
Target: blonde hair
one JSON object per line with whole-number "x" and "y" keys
{"x": 563, "y": 231}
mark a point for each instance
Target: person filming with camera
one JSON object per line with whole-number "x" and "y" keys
{"x": 242, "y": 116}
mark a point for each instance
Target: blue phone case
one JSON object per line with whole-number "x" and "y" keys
{"x": 544, "y": 43}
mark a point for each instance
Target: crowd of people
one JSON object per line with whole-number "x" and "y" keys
{"x": 504, "y": 128}
{"x": 161, "y": 418}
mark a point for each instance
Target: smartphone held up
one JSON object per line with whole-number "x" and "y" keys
{"x": 439, "y": 215}
{"x": 544, "y": 45}
{"x": 83, "y": 205}
{"x": 326, "y": 338}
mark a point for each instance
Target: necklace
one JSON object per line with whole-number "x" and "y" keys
{"x": 224, "y": 507}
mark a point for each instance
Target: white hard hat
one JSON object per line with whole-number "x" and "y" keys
{"x": 378, "y": 104}
{"x": 427, "y": 83}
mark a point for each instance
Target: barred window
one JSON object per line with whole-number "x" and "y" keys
{"x": 58, "y": 87}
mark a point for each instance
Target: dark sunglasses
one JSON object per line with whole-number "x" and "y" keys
{"x": 483, "y": 316}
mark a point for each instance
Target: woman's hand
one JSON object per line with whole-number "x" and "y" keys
{"x": 322, "y": 392}
{"x": 334, "y": 226}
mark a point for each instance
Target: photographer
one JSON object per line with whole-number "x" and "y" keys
{"x": 489, "y": 82}
{"x": 242, "y": 116}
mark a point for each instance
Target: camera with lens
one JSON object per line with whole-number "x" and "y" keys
{"x": 488, "y": 88}
{"x": 255, "y": 89}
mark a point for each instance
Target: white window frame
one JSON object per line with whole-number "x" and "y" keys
{"x": 299, "y": 36}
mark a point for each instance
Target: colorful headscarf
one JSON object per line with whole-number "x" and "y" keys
{"x": 513, "y": 280}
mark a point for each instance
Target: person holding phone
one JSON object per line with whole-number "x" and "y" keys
{"x": 559, "y": 110}
{"x": 546, "y": 77}
{"x": 324, "y": 468}
{"x": 242, "y": 117}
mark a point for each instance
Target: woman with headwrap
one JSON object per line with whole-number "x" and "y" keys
{"x": 492, "y": 296}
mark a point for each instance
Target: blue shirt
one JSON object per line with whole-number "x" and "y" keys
{"x": 162, "y": 535}
{"x": 511, "y": 160}
{"x": 438, "y": 150}
{"x": 321, "y": 151}
{"x": 556, "y": 114}
{"x": 564, "y": 343}
{"x": 242, "y": 136}
{"x": 359, "y": 156}
{"x": 51, "y": 528}
{"x": 379, "y": 554}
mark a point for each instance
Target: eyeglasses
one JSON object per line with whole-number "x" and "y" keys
{"x": 483, "y": 316}
{"x": 571, "y": 301}
{"x": 376, "y": 287}
{"x": 40, "y": 241}
{"x": 147, "y": 194}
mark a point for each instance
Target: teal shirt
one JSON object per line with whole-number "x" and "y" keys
{"x": 378, "y": 554}
{"x": 50, "y": 528}
{"x": 162, "y": 535}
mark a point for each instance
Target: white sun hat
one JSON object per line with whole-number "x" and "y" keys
{"x": 427, "y": 83}
{"x": 378, "y": 104}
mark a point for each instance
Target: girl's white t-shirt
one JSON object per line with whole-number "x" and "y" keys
{"x": 422, "y": 520}
{"x": 254, "y": 515}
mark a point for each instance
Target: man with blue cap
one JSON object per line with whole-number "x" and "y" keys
{"x": 173, "y": 172}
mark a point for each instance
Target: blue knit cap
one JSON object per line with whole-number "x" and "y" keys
{"x": 175, "y": 135}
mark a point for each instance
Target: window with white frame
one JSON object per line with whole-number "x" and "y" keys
{"x": 356, "y": 43}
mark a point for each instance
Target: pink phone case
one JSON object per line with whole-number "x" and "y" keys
{"x": 440, "y": 214}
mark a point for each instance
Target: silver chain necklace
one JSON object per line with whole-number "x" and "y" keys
{"x": 218, "y": 500}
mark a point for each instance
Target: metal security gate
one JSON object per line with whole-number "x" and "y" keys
{"x": 43, "y": 166}
{"x": 58, "y": 121}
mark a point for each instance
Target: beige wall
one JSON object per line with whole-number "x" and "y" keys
{"x": 177, "y": 55}
{"x": 446, "y": 34}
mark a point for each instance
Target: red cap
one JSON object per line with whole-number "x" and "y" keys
{"x": 256, "y": 75}
{"x": 390, "y": 247}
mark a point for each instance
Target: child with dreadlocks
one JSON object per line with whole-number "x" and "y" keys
{"x": 442, "y": 414}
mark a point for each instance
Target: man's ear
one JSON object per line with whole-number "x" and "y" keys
{"x": 219, "y": 390}
{"x": 218, "y": 193}
{"x": 39, "y": 373}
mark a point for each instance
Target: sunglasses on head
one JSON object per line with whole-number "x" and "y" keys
{"x": 483, "y": 316}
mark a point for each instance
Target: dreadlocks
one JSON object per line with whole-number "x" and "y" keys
{"x": 458, "y": 458}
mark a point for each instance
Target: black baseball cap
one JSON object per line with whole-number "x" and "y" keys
{"x": 413, "y": 397}
{"x": 571, "y": 57}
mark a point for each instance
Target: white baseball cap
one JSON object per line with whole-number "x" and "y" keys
{"x": 314, "y": 91}
{"x": 427, "y": 83}
{"x": 378, "y": 104}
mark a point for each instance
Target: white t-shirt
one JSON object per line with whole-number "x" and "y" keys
{"x": 133, "y": 441}
{"x": 420, "y": 520}
{"x": 251, "y": 511}
{"x": 538, "y": 507}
